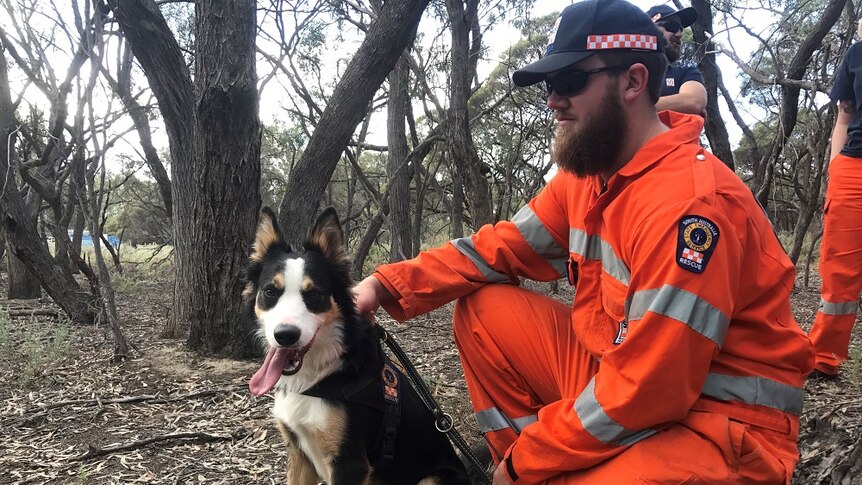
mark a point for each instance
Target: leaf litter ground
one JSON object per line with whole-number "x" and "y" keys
{"x": 170, "y": 416}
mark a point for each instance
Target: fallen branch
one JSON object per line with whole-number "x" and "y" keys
{"x": 33, "y": 313}
{"x": 201, "y": 437}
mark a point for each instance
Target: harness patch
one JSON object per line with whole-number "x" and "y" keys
{"x": 390, "y": 384}
{"x": 697, "y": 239}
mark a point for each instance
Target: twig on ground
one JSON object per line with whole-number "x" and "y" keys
{"x": 203, "y": 437}
{"x": 45, "y": 408}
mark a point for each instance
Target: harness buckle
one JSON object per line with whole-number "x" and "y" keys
{"x": 444, "y": 423}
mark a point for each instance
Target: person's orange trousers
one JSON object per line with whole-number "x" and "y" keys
{"x": 519, "y": 352}
{"x": 840, "y": 264}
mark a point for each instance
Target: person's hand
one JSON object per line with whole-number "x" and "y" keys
{"x": 500, "y": 476}
{"x": 367, "y": 295}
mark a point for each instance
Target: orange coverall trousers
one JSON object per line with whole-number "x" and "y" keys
{"x": 519, "y": 352}
{"x": 840, "y": 264}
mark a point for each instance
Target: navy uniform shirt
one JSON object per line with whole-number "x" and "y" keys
{"x": 677, "y": 75}
{"x": 848, "y": 82}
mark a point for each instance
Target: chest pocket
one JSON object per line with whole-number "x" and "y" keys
{"x": 613, "y": 297}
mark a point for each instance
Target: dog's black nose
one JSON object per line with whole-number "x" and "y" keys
{"x": 287, "y": 334}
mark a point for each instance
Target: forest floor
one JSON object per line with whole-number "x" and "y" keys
{"x": 69, "y": 415}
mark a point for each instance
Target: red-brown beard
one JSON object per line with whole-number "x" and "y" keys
{"x": 595, "y": 145}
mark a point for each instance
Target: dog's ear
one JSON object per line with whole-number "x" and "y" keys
{"x": 268, "y": 234}
{"x": 328, "y": 237}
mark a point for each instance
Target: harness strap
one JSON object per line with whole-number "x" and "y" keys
{"x": 379, "y": 392}
{"x": 391, "y": 415}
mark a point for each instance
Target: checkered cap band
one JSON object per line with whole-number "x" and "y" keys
{"x": 622, "y": 41}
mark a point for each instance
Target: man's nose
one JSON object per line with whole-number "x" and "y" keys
{"x": 555, "y": 101}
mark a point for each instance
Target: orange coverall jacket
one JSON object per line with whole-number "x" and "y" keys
{"x": 682, "y": 293}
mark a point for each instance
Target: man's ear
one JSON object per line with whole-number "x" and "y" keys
{"x": 268, "y": 235}
{"x": 635, "y": 82}
{"x": 328, "y": 237}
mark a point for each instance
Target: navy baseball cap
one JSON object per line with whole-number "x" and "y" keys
{"x": 686, "y": 16}
{"x": 588, "y": 27}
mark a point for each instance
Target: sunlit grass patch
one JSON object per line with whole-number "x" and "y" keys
{"x": 32, "y": 345}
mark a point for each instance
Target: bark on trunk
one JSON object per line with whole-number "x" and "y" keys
{"x": 386, "y": 40}
{"x": 400, "y": 241}
{"x": 23, "y": 285}
{"x": 456, "y": 211}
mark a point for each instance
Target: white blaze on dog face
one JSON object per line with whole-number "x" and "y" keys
{"x": 293, "y": 297}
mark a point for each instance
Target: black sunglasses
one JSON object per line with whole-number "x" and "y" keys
{"x": 671, "y": 26}
{"x": 570, "y": 83}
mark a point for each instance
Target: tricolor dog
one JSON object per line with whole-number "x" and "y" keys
{"x": 348, "y": 416}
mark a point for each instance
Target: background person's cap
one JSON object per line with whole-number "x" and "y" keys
{"x": 686, "y": 16}
{"x": 587, "y": 27}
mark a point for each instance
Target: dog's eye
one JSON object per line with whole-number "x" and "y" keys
{"x": 315, "y": 300}
{"x": 270, "y": 292}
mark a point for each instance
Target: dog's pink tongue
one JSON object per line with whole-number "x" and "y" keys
{"x": 269, "y": 373}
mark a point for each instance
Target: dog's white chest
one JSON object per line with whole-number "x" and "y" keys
{"x": 310, "y": 418}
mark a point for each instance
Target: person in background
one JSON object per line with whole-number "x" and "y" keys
{"x": 679, "y": 360}
{"x": 841, "y": 247}
{"x": 683, "y": 89}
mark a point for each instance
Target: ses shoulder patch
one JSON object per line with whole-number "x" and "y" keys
{"x": 697, "y": 239}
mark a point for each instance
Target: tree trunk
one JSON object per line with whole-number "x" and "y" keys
{"x": 23, "y": 285}
{"x": 456, "y": 212}
{"x": 400, "y": 241}
{"x": 215, "y": 148}
{"x": 367, "y": 240}
{"x": 459, "y": 140}
{"x": 390, "y": 34}
{"x": 715, "y": 129}
{"x": 142, "y": 126}
{"x": 106, "y": 287}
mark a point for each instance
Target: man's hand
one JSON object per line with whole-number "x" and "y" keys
{"x": 367, "y": 294}
{"x": 500, "y": 475}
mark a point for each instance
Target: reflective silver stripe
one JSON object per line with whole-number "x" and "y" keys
{"x": 683, "y": 306}
{"x": 600, "y": 425}
{"x": 521, "y": 423}
{"x": 586, "y": 246}
{"x": 465, "y": 245}
{"x": 613, "y": 265}
{"x": 492, "y": 419}
{"x": 540, "y": 239}
{"x": 594, "y": 247}
{"x": 754, "y": 390}
{"x": 843, "y": 308}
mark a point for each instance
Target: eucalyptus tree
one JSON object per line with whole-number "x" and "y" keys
{"x": 787, "y": 78}
{"x": 214, "y": 134}
{"x": 42, "y": 169}
{"x": 389, "y": 33}
{"x": 516, "y": 128}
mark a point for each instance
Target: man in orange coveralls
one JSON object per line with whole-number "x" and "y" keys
{"x": 680, "y": 360}
{"x": 841, "y": 249}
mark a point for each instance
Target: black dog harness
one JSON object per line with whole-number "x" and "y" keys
{"x": 379, "y": 392}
